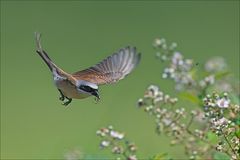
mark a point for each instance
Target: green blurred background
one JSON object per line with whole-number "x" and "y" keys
{"x": 77, "y": 34}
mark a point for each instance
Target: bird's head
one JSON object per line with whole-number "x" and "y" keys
{"x": 88, "y": 88}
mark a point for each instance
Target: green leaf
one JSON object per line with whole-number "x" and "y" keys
{"x": 194, "y": 74}
{"x": 237, "y": 133}
{"x": 237, "y": 121}
{"x": 191, "y": 97}
{"x": 220, "y": 75}
{"x": 213, "y": 138}
{"x": 220, "y": 156}
{"x": 161, "y": 156}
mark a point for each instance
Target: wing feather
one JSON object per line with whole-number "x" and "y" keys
{"x": 111, "y": 69}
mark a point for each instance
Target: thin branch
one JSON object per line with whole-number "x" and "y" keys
{"x": 190, "y": 122}
{"x": 229, "y": 144}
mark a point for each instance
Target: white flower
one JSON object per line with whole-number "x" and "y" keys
{"x": 223, "y": 102}
{"x": 234, "y": 157}
{"x": 157, "y": 42}
{"x": 215, "y": 64}
{"x": 153, "y": 90}
{"x": 166, "y": 121}
{"x": 176, "y": 58}
{"x": 219, "y": 147}
{"x": 210, "y": 79}
{"x": 164, "y": 75}
{"x": 189, "y": 62}
{"x": 117, "y": 150}
{"x": 221, "y": 122}
{"x": 132, "y": 157}
{"x": 173, "y": 46}
{"x": 140, "y": 102}
{"x": 105, "y": 144}
{"x": 116, "y": 135}
{"x": 102, "y": 132}
{"x": 158, "y": 99}
{"x": 164, "y": 57}
{"x": 110, "y": 127}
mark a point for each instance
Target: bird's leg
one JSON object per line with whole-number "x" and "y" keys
{"x": 97, "y": 99}
{"x": 67, "y": 102}
{"x": 96, "y": 94}
{"x": 62, "y": 97}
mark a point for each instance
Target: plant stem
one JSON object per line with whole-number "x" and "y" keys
{"x": 190, "y": 122}
{"x": 229, "y": 144}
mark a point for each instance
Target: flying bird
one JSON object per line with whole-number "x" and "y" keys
{"x": 84, "y": 83}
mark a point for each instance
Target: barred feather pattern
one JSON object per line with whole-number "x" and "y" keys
{"x": 111, "y": 69}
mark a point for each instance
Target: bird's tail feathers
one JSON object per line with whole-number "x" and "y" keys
{"x": 44, "y": 54}
{"x": 53, "y": 67}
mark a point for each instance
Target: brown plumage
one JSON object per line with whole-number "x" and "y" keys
{"x": 85, "y": 83}
{"x": 111, "y": 69}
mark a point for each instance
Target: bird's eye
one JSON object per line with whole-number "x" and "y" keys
{"x": 86, "y": 88}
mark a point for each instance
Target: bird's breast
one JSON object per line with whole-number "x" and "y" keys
{"x": 69, "y": 90}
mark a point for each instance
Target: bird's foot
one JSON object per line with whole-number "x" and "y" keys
{"x": 67, "y": 102}
{"x": 61, "y": 98}
{"x": 97, "y": 99}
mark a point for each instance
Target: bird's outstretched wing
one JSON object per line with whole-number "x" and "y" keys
{"x": 111, "y": 69}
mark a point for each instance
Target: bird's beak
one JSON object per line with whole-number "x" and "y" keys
{"x": 96, "y": 94}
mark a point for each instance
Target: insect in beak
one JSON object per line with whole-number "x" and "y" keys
{"x": 96, "y": 94}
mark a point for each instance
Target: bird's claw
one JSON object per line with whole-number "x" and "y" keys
{"x": 67, "y": 102}
{"x": 61, "y": 98}
{"x": 97, "y": 99}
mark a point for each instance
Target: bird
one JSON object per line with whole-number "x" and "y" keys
{"x": 85, "y": 83}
